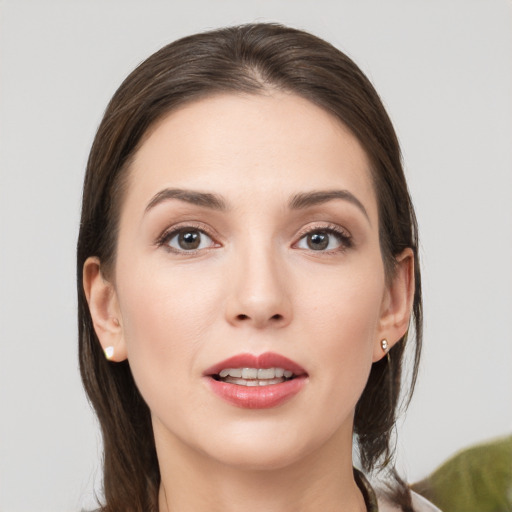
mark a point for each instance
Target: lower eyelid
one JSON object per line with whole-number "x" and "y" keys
{"x": 169, "y": 234}
{"x": 343, "y": 237}
{"x": 176, "y": 234}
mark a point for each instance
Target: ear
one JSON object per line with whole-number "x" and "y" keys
{"x": 103, "y": 305}
{"x": 396, "y": 304}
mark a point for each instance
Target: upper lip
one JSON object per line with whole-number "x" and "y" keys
{"x": 265, "y": 360}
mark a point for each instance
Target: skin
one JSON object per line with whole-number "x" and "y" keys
{"x": 253, "y": 286}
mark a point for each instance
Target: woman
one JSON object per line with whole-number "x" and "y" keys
{"x": 247, "y": 270}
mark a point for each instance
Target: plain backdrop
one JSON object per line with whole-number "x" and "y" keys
{"x": 443, "y": 70}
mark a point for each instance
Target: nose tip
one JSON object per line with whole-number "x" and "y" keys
{"x": 259, "y": 296}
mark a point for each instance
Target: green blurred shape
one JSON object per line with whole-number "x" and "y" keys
{"x": 477, "y": 479}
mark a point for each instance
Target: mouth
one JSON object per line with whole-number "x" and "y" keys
{"x": 254, "y": 376}
{"x": 256, "y": 382}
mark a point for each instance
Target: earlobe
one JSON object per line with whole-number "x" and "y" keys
{"x": 103, "y": 306}
{"x": 396, "y": 305}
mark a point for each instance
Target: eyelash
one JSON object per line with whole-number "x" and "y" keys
{"x": 167, "y": 236}
{"x": 343, "y": 237}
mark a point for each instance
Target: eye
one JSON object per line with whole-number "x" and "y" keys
{"x": 186, "y": 239}
{"x": 324, "y": 239}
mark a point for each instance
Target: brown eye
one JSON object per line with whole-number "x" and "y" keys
{"x": 326, "y": 240}
{"x": 188, "y": 240}
{"x": 318, "y": 241}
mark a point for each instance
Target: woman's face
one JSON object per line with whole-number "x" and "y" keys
{"x": 249, "y": 230}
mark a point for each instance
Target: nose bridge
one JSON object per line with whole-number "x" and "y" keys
{"x": 259, "y": 291}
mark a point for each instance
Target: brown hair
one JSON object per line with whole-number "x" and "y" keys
{"x": 250, "y": 59}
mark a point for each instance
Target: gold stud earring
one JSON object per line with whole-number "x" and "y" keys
{"x": 109, "y": 353}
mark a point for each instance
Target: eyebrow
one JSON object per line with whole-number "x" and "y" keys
{"x": 297, "y": 202}
{"x": 308, "y": 199}
{"x": 204, "y": 199}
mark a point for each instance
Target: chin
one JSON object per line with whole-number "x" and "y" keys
{"x": 270, "y": 458}
{"x": 256, "y": 449}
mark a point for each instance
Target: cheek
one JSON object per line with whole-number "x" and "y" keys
{"x": 343, "y": 316}
{"x": 344, "y": 306}
{"x": 166, "y": 315}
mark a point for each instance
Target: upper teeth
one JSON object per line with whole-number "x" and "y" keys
{"x": 256, "y": 373}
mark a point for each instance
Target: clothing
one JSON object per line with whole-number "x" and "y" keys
{"x": 374, "y": 504}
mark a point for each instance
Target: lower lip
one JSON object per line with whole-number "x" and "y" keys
{"x": 257, "y": 397}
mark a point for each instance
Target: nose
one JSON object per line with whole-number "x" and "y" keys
{"x": 259, "y": 292}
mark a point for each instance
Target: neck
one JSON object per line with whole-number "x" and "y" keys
{"x": 192, "y": 481}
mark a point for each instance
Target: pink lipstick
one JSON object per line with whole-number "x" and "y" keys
{"x": 256, "y": 382}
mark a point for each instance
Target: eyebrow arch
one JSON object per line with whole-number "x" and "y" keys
{"x": 307, "y": 199}
{"x": 204, "y": 199}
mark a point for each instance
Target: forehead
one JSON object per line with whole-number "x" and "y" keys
{"x": 249, "y": 143}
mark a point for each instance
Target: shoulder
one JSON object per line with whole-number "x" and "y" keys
{"x": 419, "y": 503}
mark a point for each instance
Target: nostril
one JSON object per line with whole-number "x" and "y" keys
{"x": 275, "y": 318}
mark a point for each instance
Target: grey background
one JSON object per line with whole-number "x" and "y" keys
{"x": 443, "y": 69}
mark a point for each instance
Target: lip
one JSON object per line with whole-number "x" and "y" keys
{"x": 257, "y": 397}
{"x": 265, "y": 360}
